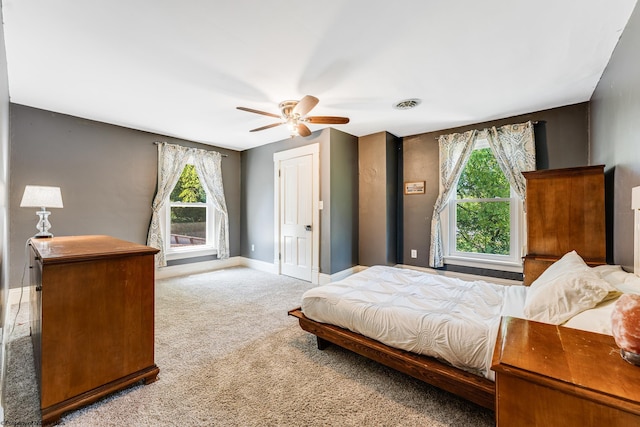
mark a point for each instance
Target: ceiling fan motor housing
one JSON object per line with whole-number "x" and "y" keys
{"x": 286, "y": 108}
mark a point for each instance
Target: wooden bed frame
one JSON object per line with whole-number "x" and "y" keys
{"x": 469, "y": 386}
{"x": 474, "y": 388}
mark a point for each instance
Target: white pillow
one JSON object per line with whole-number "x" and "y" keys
{"x": 566, "y": 288}
{"x": 631, "y": 284}
{"x": 606, "y": 270}
{"x": 597, "y": 319}
{"x": 623, "y": 281}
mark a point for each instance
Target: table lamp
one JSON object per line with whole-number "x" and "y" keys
{"x": 38, "y": 196}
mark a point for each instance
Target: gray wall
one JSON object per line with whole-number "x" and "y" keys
{"x": 343, "y": 201}
{"x": 378, "y": 165}
{"x": 4, "y": 203}
{"x": 561, "y": 141}
{"x": 615, "y": 135}
{"x": 107, "y": 175}
{"x": 338, "y": 219}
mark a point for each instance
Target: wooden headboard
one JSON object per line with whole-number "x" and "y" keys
{"x": 565, "y": 212}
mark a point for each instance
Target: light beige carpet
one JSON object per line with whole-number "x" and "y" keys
{"x": 230, "y": 356}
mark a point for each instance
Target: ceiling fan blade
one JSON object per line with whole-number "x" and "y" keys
{"x": 303, "y": 130}
{"x": 305, "y": 105}
{"x": 264, "y": 113}
{"x": 267, "y": 127}
{"x": 327, "y": 120}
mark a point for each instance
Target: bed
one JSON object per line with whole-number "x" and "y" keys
{"x": 442, "y": 330}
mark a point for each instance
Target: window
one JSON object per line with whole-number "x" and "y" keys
{"x": 484, "y": 216}
{"x": 189, "y": 219}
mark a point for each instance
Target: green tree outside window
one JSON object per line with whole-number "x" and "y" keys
{"x": 188, "y": 222}
{"x": 188, "y": 189}
{"x": 482, "y": 213}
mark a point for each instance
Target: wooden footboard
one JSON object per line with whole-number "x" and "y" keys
{"x": 464, "y": 384}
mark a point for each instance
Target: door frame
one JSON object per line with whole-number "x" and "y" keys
{"x": 314, "y": 151}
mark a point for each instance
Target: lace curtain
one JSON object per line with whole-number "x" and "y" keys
{"x": 171, "y": 161}
{"x": 512, "y": 145}
{"x": 515, "y": 151}
{"x": 209, "y": 169}
{"x": 455, "y": 150}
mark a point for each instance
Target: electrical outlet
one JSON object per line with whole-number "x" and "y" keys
{"x": 414, "y": 253}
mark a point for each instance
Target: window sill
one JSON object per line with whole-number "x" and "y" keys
{"x": 190, "y": 253}
{"x": 489, "y": 265}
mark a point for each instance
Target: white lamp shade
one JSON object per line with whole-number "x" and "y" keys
{"x": 635, "y": 198}
{"x": 38, "y": 196}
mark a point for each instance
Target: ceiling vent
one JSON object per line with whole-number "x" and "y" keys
{"x": 407, "y": 104}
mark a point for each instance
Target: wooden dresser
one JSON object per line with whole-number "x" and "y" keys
{"x": 92, "y": 319}
{"x": 549, "y": 375}
{"x": 565, "y": 212}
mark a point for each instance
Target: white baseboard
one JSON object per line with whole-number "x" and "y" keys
{"x": 203, "y": 267}
{"x": 267, "y": 267}
{"x": 196, "y": 267}
{"x": 328, "y": 278}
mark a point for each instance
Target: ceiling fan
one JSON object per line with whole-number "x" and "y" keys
{"x": 294, "y": 115}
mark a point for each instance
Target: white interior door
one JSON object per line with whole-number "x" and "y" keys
{"x": 296, "y": 216}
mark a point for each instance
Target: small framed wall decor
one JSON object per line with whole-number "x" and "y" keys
{"x": 414, "y": 187}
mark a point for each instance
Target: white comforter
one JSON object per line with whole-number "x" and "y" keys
{"x": 447, "y": 318}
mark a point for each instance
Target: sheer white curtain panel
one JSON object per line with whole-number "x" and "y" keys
{"x": 171, "y": 161}
{"x": 455, "y": 150}
{"x": 209, "y": 169}
{"x": 515, "y": 150}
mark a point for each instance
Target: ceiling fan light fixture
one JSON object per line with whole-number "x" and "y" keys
{"x": 407, "y": 104}
{"x": 292, "y": 124}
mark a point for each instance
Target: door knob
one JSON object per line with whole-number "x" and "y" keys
{"x": 307, "y": 227}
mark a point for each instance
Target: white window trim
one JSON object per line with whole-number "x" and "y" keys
{"x": 192, "y": 251}
{"x": 512, "y": 263}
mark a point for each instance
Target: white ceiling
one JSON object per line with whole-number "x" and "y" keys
{"x": 180, "y": 68}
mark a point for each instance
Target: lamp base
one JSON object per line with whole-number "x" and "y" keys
{"x": 42, "y": 235}
{"x": 43, "y": 225}
{"x": 630, "y": 357}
